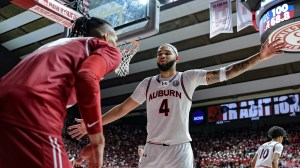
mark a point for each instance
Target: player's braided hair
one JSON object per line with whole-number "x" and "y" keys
{"x": 84, "y": 24}
{"x": 276, "y": 131}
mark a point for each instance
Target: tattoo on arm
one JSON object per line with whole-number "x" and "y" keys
{"x": 233, "y": 70}
{"x": 212, "y": 77}
{"x": 240, "y": 67}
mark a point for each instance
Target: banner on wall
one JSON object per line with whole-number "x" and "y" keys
{"x": 253, "y": 109}
{"x": 220, "y": 17}
{"x": 243, "y": 16}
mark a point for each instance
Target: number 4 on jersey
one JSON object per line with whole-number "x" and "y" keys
{"x": 164, "y": 108}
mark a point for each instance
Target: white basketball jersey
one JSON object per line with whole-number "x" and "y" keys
{"x": 265, "y": 153}
{"x": 168, "y": 105}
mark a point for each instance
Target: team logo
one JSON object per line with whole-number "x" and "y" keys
{"x": 198, "y": 117}
{"x": 289, "y": 34}
{"x": 175, "y": 83}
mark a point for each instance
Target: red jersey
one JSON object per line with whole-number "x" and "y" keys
{"x": 34, "y": 95}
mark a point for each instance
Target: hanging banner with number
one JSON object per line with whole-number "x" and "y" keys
{"x": 276, "y": 15}
{"x": 244, "y": 16}
{"x": 220, "y": 17}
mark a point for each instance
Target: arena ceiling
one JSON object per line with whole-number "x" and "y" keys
{"x": 186, "y": 25}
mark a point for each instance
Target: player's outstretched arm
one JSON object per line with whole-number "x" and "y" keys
{"x": 119, "y": 111}
{"x": 267, "y": 51}
{"x": 253, "y": 161}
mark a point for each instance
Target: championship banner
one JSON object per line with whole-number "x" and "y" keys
{"x": 52, "y": 16}
{"x": 220, "y": 17}
{"x": 244, "y": 16}
{"x": 254, "y": 109}
{"x": 60, "y": 9}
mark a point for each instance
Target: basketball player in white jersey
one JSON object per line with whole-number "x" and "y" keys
{"x": 168, "y": 98}
{"x": 268, "y": 154}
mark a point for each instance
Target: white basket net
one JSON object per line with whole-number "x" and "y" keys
{"x": 128, "y": 50}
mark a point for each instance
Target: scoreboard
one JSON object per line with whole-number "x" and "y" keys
{"x": 275, "y": 16}
{"x": 277, "y": 19}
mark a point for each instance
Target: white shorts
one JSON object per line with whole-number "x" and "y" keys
{"x": 173, "y": 156}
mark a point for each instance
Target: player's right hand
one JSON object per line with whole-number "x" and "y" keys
{"x": 270, "y": 49}
{"x": 93, "y": 153}
{"x": 79, "y": 130}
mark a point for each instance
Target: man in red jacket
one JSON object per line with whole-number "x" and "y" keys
{"x": 34, "y": 96}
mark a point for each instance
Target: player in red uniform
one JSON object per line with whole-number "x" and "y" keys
{"x": 34, "y": 96}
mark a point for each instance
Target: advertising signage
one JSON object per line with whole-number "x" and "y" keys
{"x": 254, "y": 109}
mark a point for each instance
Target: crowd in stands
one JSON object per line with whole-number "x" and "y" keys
{"x": 233, "y": 149}
{"x": 237, "y": 148}
{"x": 121, "y": 146}
{"x": 121, "y": 143}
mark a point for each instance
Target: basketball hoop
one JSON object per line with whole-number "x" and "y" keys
{"x": 128, "y": 50}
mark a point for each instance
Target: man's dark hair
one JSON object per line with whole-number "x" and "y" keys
{"x": 84, "y": 24}
{"x": 276, "y": 131}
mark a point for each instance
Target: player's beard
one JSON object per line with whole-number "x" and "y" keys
{"x": 166, "y": 66}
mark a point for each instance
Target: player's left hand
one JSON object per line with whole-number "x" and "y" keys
{"x": 93, "y": 154}
{"x": 270, "y": 49}
{"x": 79, "y": 130}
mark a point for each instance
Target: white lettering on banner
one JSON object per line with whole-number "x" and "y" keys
{"x": 244, "y": 113}
{"x": 60, "y": 9}
{"x": 282, "y": 107}
{"x": 286, "y": 104}
{"x": 232, "y": 112}
{"x": 254, "y": 110}
{"x": 266, "y": 103}
{"x": 52, "y": 16}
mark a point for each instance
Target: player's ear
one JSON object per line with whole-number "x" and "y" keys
{"x": 106, "y": 37}
{"x": 177, "y": 58}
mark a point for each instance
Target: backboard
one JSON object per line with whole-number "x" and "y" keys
{"x": 132, "y": 19}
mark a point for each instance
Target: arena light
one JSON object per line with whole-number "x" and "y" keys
{"x": 143, "y": 2}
